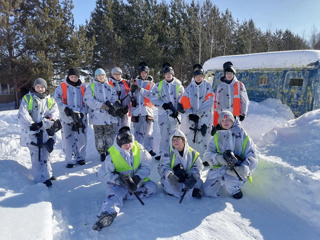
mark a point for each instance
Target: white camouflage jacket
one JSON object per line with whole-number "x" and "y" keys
{"x": 97, "y": 94}
{"x": 40, "y": 112}
{"x": 142, "y": 97}
{"x": 170, "y": 92}
{"x": 107, "y": 174}
{"x": 234, "y": 140}
{"x": 164, "y": 167}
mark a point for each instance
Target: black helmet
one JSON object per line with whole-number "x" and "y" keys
{"x": 124, "y": 136}
{"x": 197, "y": 70}
{"x": 143, "y": 67}
{"x": 228, "y": 67}
{"x": 166, "y": 67}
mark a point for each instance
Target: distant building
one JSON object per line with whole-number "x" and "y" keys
{"x": 291, "y": 76}
{"x": 7, "y": 93}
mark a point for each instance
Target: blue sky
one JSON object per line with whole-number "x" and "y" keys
{"x": 301, "y": 17}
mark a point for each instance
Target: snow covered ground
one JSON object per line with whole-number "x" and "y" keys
{"x": 283, "y": 202}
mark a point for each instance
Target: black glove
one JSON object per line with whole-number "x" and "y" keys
{"x": 180, "y": 108}
{"x": 193, "y": 117}
{"x": 111, "y": 109}
{"x": 191, "y": 181}
{"x": 68, "y": 111}
{"x": 135, "y": 87}
{"x": 242, "y": 117}
{"x": 231, "y": 159}
{"x": 129, "y": 184}
{"x": 36, "y": 126}
{"x": 215, "y": 129}
{"x": 174, "y": 114}
{"x": 136, "y": 179}
{"x": 54, "y": 128}
{"x": 166, "y": 106}
{"x": 180, "y": 172}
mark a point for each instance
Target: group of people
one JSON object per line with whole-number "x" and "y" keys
{"x": 213, "y": 134}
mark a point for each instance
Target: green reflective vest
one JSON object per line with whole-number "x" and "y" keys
{"x": 120, "y": 163}
{"x": 29, "y": 100}
{"x": 194, "y": 155}
{"x": 215, "y": 138}
{"x": 160, "y": 88}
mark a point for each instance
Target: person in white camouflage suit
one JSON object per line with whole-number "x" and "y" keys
{"x": 142, "y": 116}
{"x": 122, "y": 88}
{"x": 181, "y": 170}
{"x": 37, "y": 115}
{"x": 166, "y": 96}
{"x": 232, "y": 156}
{"x": 197, "y": 104}
{"x": 73, "y": 116}
{"x": 126, "y": 173}
{"x": 99, "y": 97}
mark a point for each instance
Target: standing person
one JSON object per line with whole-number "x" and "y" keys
{"x": 73, "y": 115}
{"x": 142, "y": 116}
{"x": 99, "y": 97}
{"x": 37, "y": 116}
{"x": 166, "y": 96}
{"x": 126, "y": 174}
{"x": 181, "y": 170}
{"x": 233, "y": 157}
{"x": 122, "y": 88}
{"x": 196, "y": 103}
{"x": 231, "y": 95}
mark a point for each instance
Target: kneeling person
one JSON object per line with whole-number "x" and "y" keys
{"x": 181, "y": 170}
{"x": 232, "y": 156}
{"x": 125, "y": 172}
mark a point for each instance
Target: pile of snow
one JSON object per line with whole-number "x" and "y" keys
{"x": 281, "y": 59}
{"x": 281, "y": 203}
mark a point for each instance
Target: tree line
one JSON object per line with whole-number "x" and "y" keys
{"x": 38, "y": 38}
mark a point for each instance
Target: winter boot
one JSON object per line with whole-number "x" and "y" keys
{"x": 81, "y": 162}
{"x": 53, "y": 178}
{"x": 48, "y": 183}
{"x": 102, "y": 157}
{"x": 70, "y": 165}
{"x": 197, "y": 193}
{"x": 238, "y": 195}
{"x": 105, "y": 220}
{"x": 157, "y": 158}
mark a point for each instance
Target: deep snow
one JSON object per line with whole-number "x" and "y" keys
{"x": 283, "y": 202}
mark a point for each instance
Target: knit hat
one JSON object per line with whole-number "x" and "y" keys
{"x": 40, "y": 81}
{"x": 99, "y": 71}
{"x": 116, "y": 70}
{"x": 124, "y": 136}
{"x": 226, "y": 114}
{"x": 74, "y": 71}
{"x": 228, "y": 67}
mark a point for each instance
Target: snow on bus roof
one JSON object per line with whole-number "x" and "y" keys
{"x": 281, "y": 59}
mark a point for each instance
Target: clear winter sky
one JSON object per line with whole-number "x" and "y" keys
{"x": 301, "y": 17}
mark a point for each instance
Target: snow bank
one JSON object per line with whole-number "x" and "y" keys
{"x": 281, "y": 59}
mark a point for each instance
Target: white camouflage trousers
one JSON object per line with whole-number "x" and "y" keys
{"x": 74, "y": 143}
{"x": 213, "y": 187}
{"x": 40, "y": 170}
{"x": 116, "y": 195}
{"x": 143, "y": 132}
{"x": 167, "y": 125}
